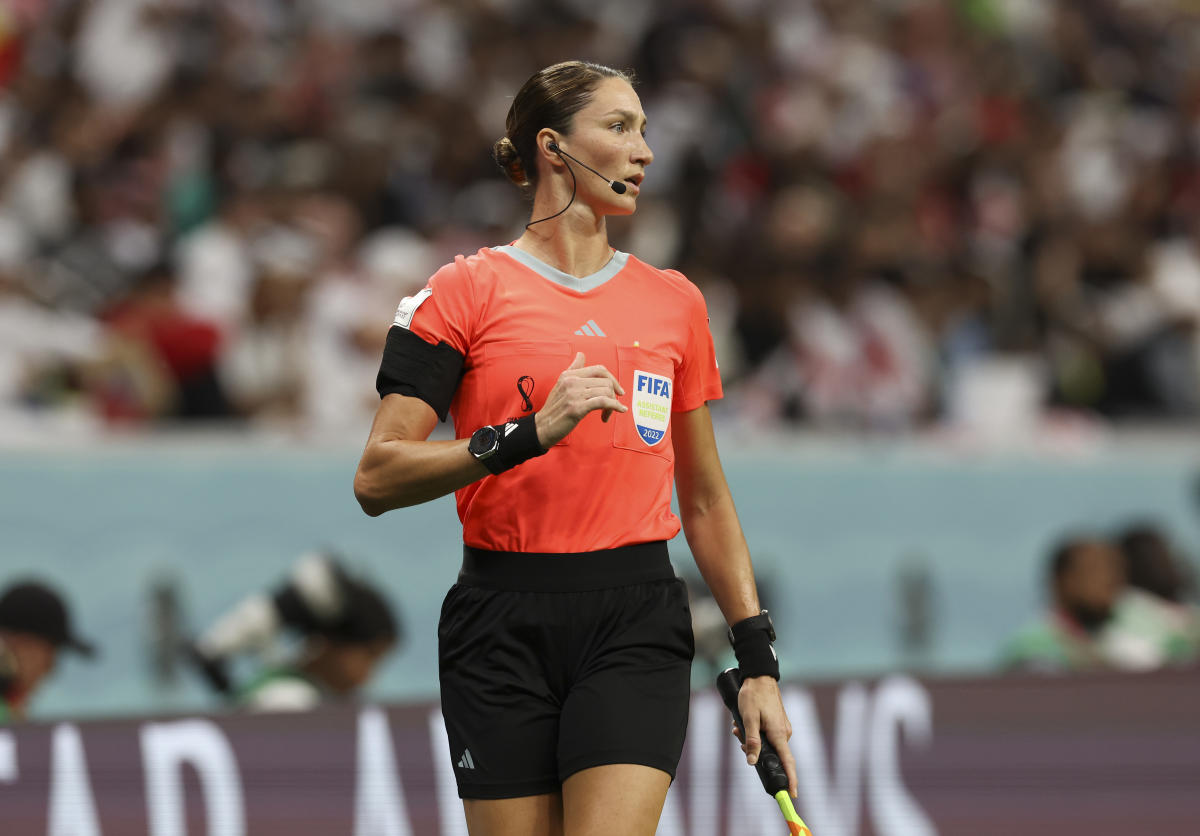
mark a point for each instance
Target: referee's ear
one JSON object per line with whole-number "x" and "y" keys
{"x": 547, "y": 145}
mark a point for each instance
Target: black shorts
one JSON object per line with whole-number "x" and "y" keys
{"x": 555, "y": 663}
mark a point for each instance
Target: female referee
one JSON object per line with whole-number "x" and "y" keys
{"x": 578, "y": 379}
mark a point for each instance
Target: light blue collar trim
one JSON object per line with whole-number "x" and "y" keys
{"x": 615, "y": 265}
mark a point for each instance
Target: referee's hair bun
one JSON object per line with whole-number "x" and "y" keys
{"x": 506, "y": 156}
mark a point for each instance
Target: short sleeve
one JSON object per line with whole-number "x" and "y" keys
{"x": 444, "y": 311}
{"x": 427, "y": 342}
{"x": 698, "y": 378}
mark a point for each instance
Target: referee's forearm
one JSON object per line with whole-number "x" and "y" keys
{"x": 719, "y": 549}
{"x": 399, "y": 473}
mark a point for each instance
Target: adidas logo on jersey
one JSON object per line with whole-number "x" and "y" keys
{"x": 466, "y": 761}
{"x": 590, "y": 329}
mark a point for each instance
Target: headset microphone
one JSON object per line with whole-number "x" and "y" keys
{"x": 616, "y": 185}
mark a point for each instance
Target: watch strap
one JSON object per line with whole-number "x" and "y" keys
{"x": 516, "y": 442}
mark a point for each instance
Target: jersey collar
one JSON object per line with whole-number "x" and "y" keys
{"x": 581, "y": 284}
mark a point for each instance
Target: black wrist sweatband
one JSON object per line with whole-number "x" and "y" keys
{"x": 520, "y": 444}
{"x": 752, "y": 647}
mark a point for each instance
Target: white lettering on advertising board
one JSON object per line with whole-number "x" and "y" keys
{"x": 166, "y": 748}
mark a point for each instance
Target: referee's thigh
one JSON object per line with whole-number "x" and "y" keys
{"x": 620, "y": 798}
{"x": 531, "y": 815}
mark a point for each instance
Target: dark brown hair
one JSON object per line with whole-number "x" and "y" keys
{"x": 549, "y": 99}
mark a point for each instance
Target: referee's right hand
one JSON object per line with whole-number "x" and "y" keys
{"x": 579, "y": 390}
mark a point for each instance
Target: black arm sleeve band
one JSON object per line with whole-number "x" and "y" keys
{"x": 415, "y": 368}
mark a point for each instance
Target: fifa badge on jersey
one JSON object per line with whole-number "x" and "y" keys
{"x": 651, "y": 406}
{"x": 408, "y": 307}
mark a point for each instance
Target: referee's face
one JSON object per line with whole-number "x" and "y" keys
{"x": 610, "y": 135}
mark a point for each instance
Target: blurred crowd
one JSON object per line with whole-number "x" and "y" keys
{"x": 903, "y": 213}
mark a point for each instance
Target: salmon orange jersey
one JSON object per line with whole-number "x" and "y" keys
{"x": 518, "y": 322}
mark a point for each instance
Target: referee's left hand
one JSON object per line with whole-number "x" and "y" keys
{"x": 761, "y": 707}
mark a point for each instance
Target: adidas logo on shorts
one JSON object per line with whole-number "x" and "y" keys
{"x": 466, "y": 761}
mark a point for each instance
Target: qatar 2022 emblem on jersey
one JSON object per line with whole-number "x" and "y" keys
{"x": 651, "y": 405}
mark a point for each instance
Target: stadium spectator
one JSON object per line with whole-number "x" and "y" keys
{"x": 346, "y": 628}
{"x": 35, "y": 626}
{"x": 1153, "y": 564}
{"x": 264, "y": 367}
{"x": 178, "y": 348}
{"x": 1158, "y": 602}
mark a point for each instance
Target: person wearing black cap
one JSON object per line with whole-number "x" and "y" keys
{"x": 35, "y": 625}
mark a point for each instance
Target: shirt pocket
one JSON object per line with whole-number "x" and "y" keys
{"x": 519, "y": 374}
{"x": 649, "y": 382}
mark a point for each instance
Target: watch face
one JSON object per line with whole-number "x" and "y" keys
{"x": 484, "y": 440}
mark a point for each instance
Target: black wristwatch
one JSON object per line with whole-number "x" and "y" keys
{"x": 485, "y": 443}
{"x": 762, "y": 621}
